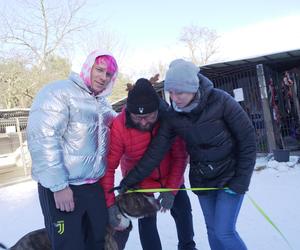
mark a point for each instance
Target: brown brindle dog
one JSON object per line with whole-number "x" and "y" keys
{"x": 134, "y": 205}
{"x": 37, "y": 239}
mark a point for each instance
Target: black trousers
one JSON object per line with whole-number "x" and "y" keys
{"x": 182, "y": 214}
{"x": 82, "y": 229}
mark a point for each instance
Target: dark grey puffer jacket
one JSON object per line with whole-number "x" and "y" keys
{"x": 220, "y": 140}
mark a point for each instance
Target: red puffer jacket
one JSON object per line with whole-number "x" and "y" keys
{"x": 128, "y": 145}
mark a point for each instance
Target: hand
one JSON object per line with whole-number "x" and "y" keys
{"x": 116, "y": 220}
{"x": 166, "y": 200}
{"x": 123, "y": 187}
{"x": 64, "y": 200}
{"x": 229, "y": 191}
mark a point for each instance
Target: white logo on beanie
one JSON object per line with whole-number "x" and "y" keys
{"x": 141, "y": 110}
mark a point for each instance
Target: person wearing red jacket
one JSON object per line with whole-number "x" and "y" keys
{"x": 130, "y": 135}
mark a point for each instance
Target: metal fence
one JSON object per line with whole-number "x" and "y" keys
{"x": 284, "y": 95}
{"x": 244, "y": 78}
{"x": 15, "y": 160}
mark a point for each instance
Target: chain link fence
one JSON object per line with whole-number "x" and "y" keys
{"x": 15, "y": 162}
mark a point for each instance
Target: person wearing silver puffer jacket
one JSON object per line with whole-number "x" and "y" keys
{"x": 67, "y": 135}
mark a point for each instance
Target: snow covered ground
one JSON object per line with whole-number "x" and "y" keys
{"x": 275, "y": 188}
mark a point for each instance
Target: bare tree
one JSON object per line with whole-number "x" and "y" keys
{"x": 38, "y": 29}
{"x": 120, "y": 89}
{"x": 35, "y": 38}
{"x": 201, "y": 43}
{"x": 160, "y": 69}
{"x": 40, "y": 33}
{"x": 108, "y": 40}
{"x": 20, "y": 83}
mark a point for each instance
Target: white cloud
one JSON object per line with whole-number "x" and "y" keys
{"x": 140, "y": 61}
{"x": 262, "y": 38}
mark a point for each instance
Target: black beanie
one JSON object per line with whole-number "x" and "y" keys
{"x": 142, "y": 99}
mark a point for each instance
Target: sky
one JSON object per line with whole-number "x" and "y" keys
{"x": 157, "y": 23}
{"x": 150, "y": 30}
{"x": 247, "y": 28}
{"x": 275, "y": 189}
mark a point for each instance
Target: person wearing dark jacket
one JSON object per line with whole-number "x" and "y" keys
{"x": 130, "y": 135}
{"x": 220, "y": 140}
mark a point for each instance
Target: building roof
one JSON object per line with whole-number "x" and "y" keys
{"x": 280, "y": 61}
{"x": 15, "y": 112}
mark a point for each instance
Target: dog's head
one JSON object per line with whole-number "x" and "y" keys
{"x": 137, "y": 205}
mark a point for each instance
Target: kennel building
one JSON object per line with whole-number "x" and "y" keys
{"x": 268, "y": 88}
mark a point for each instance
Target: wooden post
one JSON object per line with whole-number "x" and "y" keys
{"x": 266, "y": 109}
{"x": 21, "y": 146}
{"x": 295, "y": 99}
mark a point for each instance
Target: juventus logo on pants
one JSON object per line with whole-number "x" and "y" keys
{"x": 60, "y": 226}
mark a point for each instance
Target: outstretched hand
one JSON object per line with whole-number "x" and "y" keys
{"x": 121, "y": 189}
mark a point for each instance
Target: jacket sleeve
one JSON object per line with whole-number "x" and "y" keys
{"x": 178, "y": 164}
{"x": 48, "y": 120}
{"x": 115, "y": 152}
{"x": 159, "y": 145}
{"x": 243, "y": 132}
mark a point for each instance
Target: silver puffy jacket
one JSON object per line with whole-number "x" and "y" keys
{"x": 67, "y": 134}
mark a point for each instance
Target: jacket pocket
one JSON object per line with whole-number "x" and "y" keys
{"x": 210, "y": 170}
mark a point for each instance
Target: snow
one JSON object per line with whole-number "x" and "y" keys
{"x": 274, "y": 187}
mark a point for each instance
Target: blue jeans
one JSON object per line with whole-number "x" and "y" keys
{"x": 220, "y": 211}
{"x": 182, "y": 214}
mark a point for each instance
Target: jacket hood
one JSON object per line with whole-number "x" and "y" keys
{"x": 85, "y": 73}
{"x": 74, "y": 77}
{"x": 205, "y": 88}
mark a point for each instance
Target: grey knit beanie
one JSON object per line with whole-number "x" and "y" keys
{"x": 182, "y": 77}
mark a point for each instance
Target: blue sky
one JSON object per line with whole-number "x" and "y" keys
{"x": 150, "y": 29}
{"x": 148, "y": 23}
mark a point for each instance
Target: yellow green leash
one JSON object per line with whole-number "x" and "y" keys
{"x": 160, "y": 190}
{"x": 261, "y": 211}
